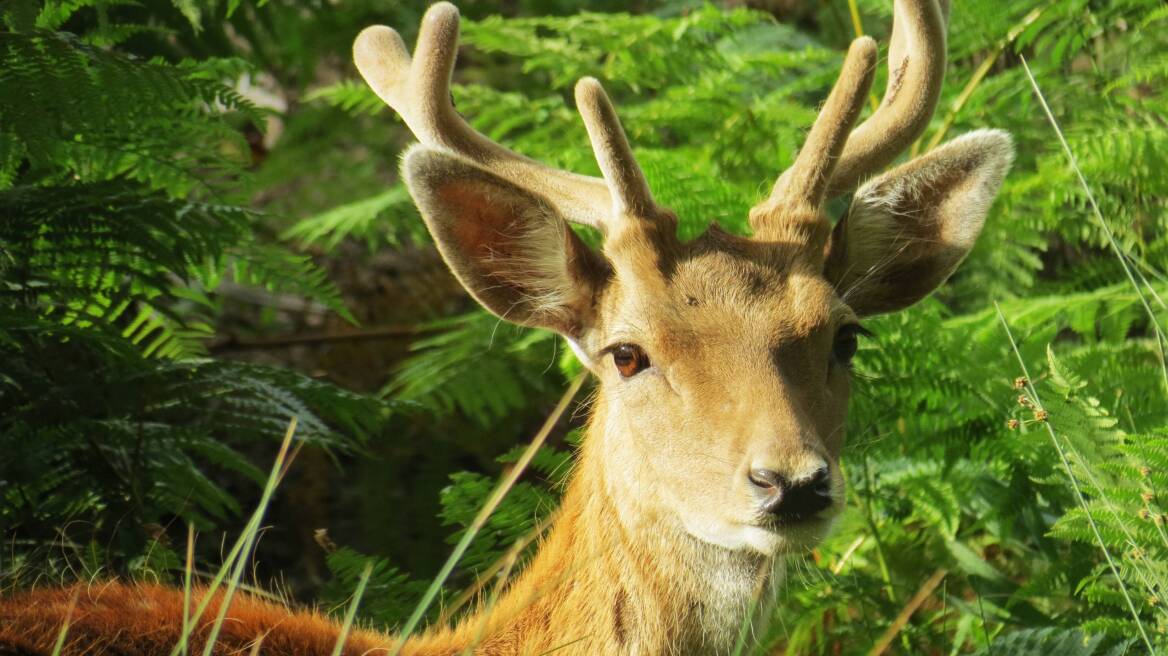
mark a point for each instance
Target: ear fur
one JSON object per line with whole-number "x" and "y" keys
{"x": 908, "y": 229}
{"x": 508, "y": 247}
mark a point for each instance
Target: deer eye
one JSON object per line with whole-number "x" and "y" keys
{"x": 629, "y": 359}
{"x": 846, "y": 343}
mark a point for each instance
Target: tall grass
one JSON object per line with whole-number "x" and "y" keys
{"x": 488, "y": 508}
{"x": 236, "y": 562}
{"x": 1120, "y": 255}
{"x": 1074, "y": 483}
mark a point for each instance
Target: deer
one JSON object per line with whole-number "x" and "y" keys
{"x": 722, "y": 363}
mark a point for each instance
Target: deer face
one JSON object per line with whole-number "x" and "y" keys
{"x": 724, "y": 373}
{"x": 723, "y": 362}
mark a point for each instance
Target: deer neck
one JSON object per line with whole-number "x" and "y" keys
{"x": 616, "y": 576}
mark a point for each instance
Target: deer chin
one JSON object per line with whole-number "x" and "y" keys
{"x": 766, "y": 539}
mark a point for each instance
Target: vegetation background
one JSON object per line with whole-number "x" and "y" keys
{"x": 202, "y": 234}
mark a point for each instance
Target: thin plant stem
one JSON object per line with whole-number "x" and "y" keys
{"x": 188, "y": 570}
{"x": 248, "y": 539}
{"x": 1128, "y": 269}
{"x": 744, "y": 630}
{"x": 59, "y": 645}
{"x": 907, "y": 612}
{"x": 858, "y": 27}
{"x": 1079, "y": 497}
{"x": 885, "y": 574}
{"x": 485, "y": 513}
{"x": 351, "y": 614}
{"x": 989, "y": 643}
{"x": 238, "y": 548}
{"x": 979, "y": 75}
{"x": 1123, "y": 258}
{"x": 747, "y": 627}
{"x": 500, "y": 571}
{"x": 848, "y": 553}
{"x": 489, "y": 574}
{"x": 1106, "y": 501}
{"x": 563, "y": 646}
{"x": 1159, "y": 525}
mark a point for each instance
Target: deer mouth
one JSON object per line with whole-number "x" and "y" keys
{"x": 798, "y": 535}
{"x": 798, "y": 519}
{"x": 796, "y": 527}
{"x": 795, "y": 532}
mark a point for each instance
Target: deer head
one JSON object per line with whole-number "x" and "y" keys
{"x": 723, "y": 361}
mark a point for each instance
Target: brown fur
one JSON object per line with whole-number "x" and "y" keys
{"x": 563, "y": 599}
{"x": 662, "y": 542}
{"x": 114, "y": 619}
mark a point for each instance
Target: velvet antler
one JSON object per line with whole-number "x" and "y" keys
{"x": 832, "y": 161}
{"x": 418, "y": 89}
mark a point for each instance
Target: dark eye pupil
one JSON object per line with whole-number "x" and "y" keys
{"x": 630, "y": 359}
{"x": 846, "y": 344}
{"x": 845, "y": 348}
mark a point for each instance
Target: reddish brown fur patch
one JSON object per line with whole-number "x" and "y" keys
{"x": 115, "y": 619}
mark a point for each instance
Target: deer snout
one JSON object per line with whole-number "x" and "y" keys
{"x": 789, "y": 499}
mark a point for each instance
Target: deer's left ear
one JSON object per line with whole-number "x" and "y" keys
{"x": 908, "y": 229}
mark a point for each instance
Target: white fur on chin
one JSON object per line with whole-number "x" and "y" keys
{"x": 764, "y": 541}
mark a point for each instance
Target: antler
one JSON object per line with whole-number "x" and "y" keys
{"x": 621, "y": 172}
{"x": 419, "y": 90}
{"x": 791, "y": 213}
{"x": 804, "y": 184}
{"x": 831, "y": 161}
{"x": 916, "y": 71}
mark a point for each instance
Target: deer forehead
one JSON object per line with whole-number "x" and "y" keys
{"x": 717, "y": 290}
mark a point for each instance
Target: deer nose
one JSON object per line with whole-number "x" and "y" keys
{"x": 789, "y": 500}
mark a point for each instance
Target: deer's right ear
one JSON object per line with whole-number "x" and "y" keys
{"x": 908, "y": 229}
{"x": 508, "y": 247}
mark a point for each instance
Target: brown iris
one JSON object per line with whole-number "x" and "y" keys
{"x": 629, "y": 359}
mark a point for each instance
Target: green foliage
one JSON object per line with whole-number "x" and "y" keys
{"x": 1120, "y": 476}
{"x": 390, "y": 595}
{"x": 116, "y": 233}
{"x": 1070, "y": 642}
{"x": 88, "y": 112}
{"x": 477, "y": 365}
{"x": 938, "y": 478}
{"x": 96, "y": 431}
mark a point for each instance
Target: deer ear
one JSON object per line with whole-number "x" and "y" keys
{"x": 908, "y": 229}
{"x": 508, "y": 247}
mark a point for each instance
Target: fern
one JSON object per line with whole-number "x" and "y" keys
{"x": 76, "y": 111}
{"x": 1049, "y": 641}
{"x": 389, "y": 596}
{"x": 470, "y": 366}
{"x": 115, "y": 234}
{"x": 96, "y": 430}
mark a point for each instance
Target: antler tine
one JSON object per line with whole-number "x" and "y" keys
{"x": 803, "y": 184}
{"x": 419, "y": 90}
{"x": 630, "y": 191}
{"x": 916, "y": 70}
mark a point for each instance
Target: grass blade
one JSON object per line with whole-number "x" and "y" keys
{"x": 248, "y": 539}
{"x": 61, "y": 635}
{"x": 481, "y": 519}
{"x": 352, "y": 612}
